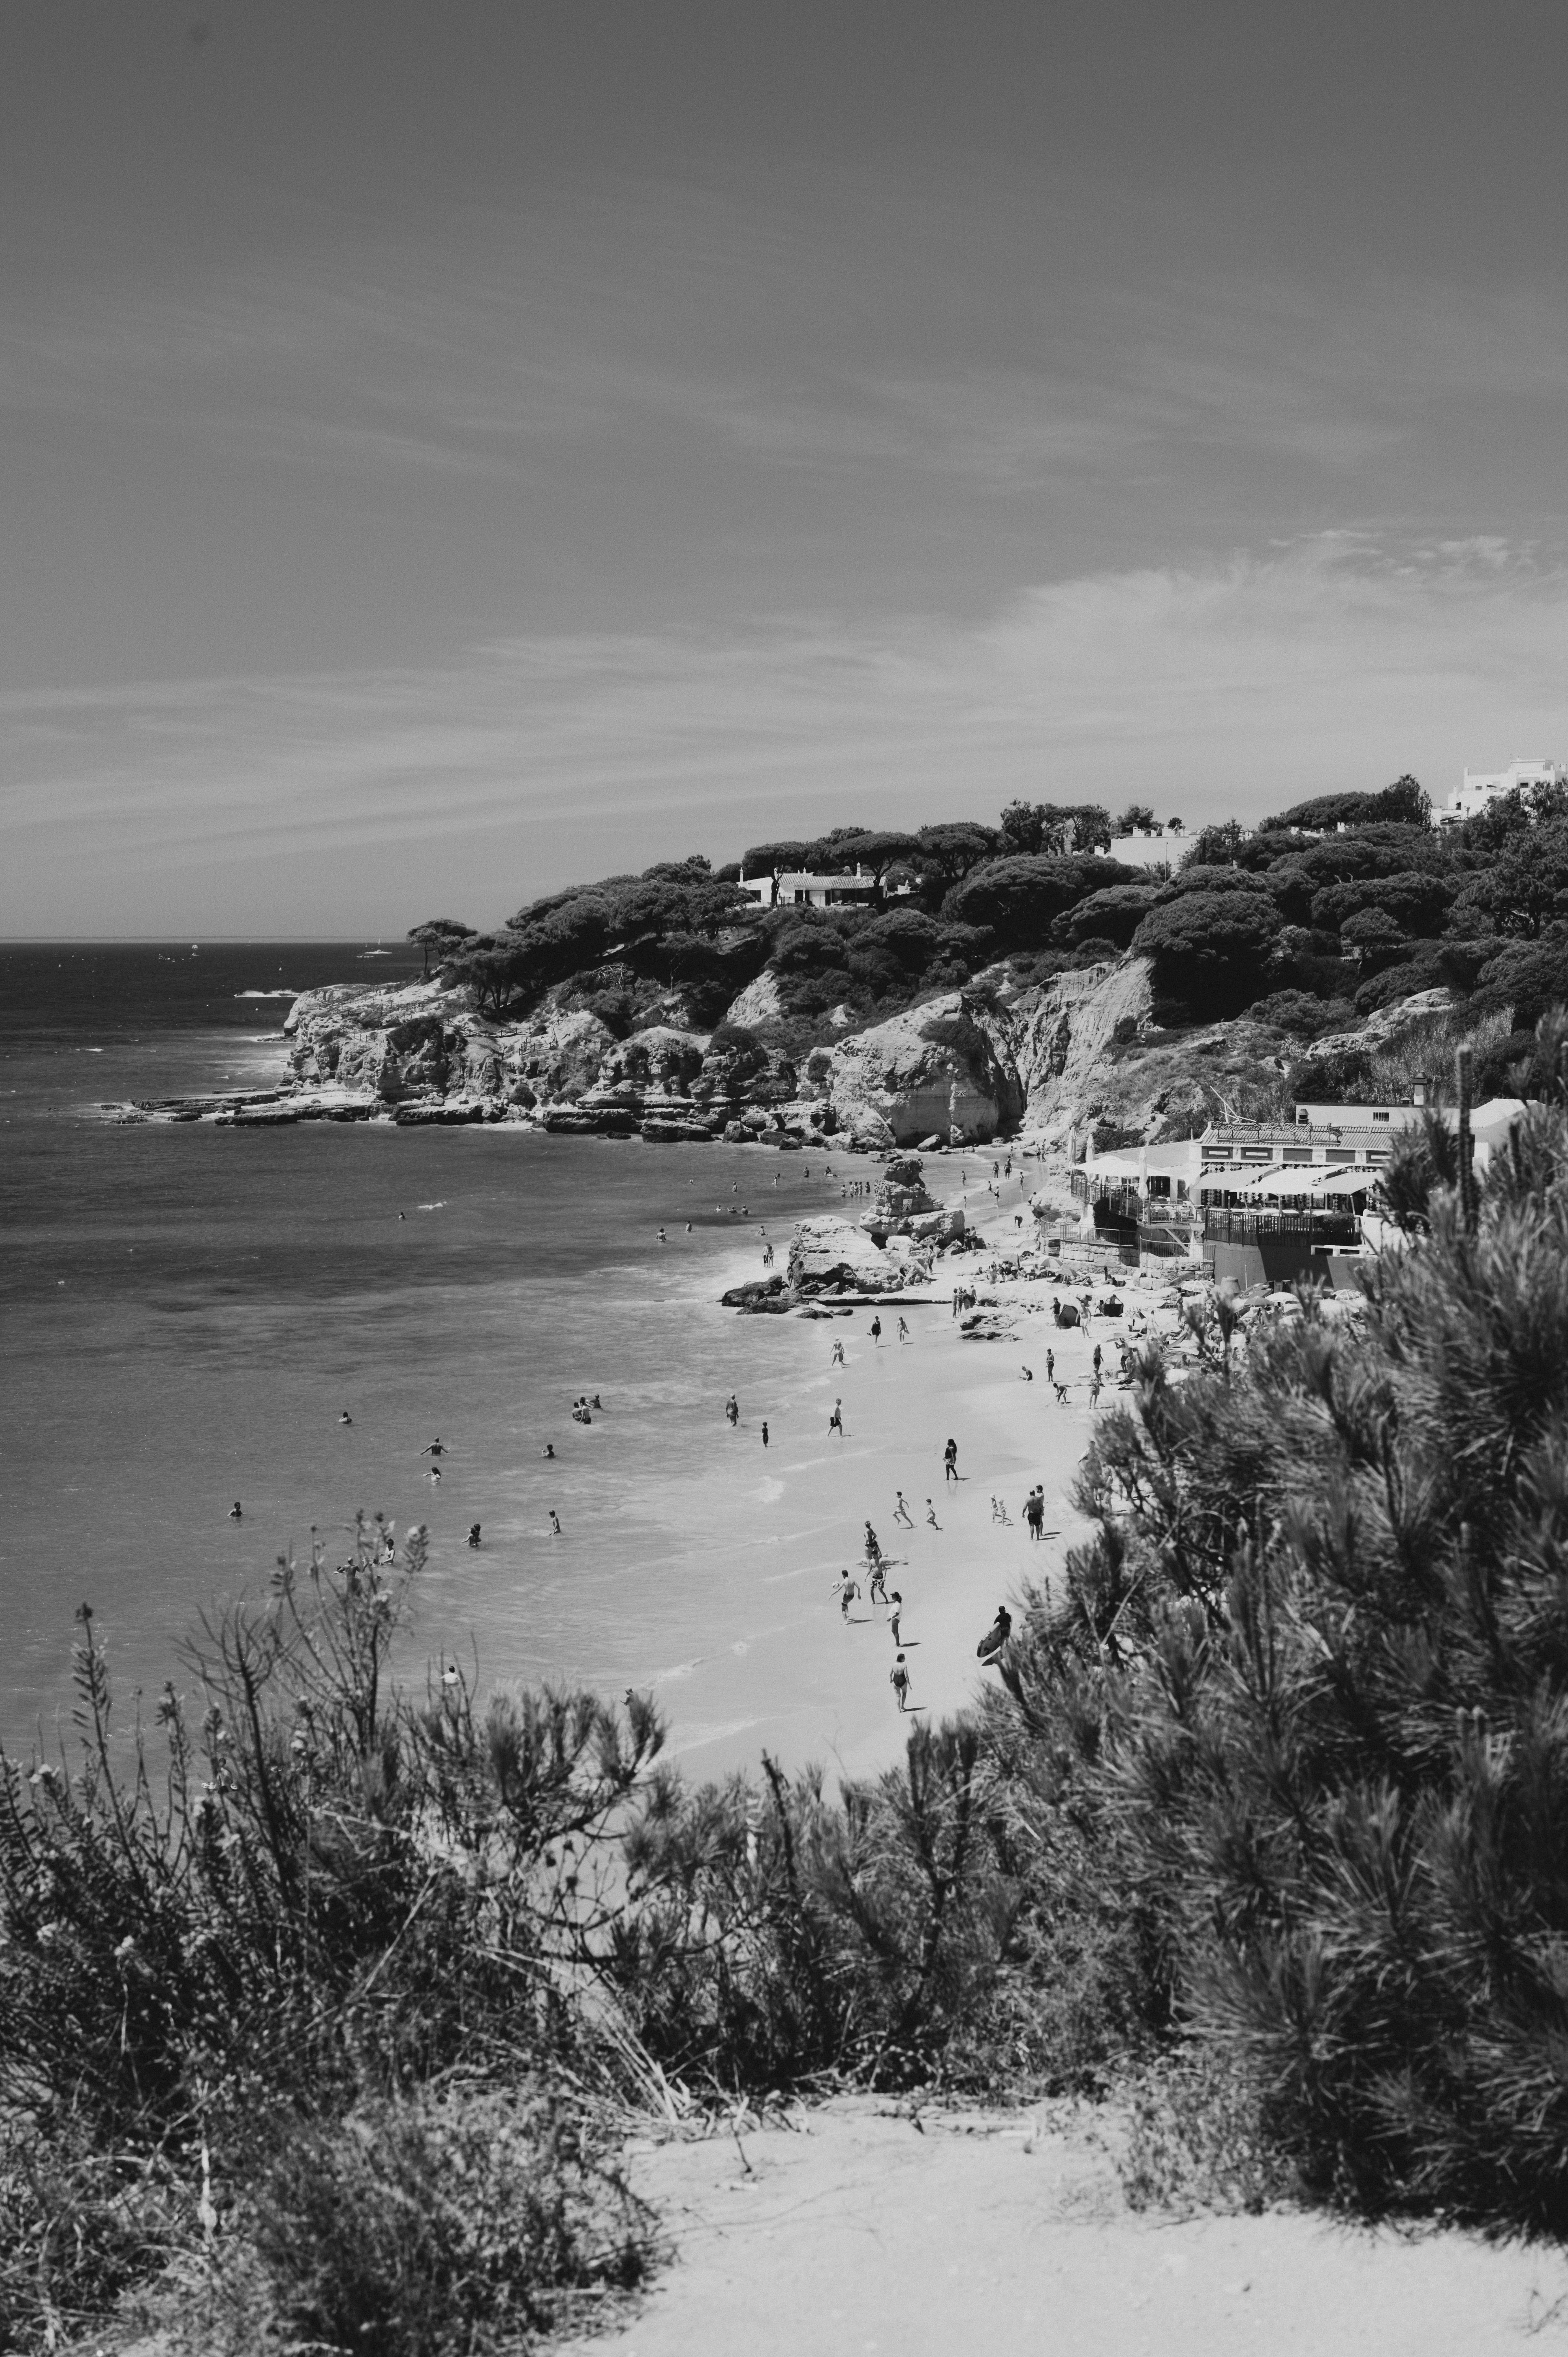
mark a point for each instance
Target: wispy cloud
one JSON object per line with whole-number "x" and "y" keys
{"x": 1336, "y": 660}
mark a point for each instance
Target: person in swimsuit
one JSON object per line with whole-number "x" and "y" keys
{"x": 235, "y": 1515}
{"x": 876, "y": 1334}
{"x": 837, "y": 1359}
{"x": 437, "y": 1449}
{"x": 903, "y": 1331}
{"x": 896, "y": 1603}
{"x": 473, "y": 1534}
{"x": 765, "y": 1432}
{"x": 932, "y": 1515}
{"x": 848, "y": 1593}
{"x": 950, "y": 1461}
{"x": 548, "y": 1450}
{"x": 732, "y": 1411}
{"x": 345, "y": 1417}
{"x": 898, "y": 1679}
{"x": 836, "y": 1421}
{"x": 555, "y": 1521}
{"x": 901, "y": 1512}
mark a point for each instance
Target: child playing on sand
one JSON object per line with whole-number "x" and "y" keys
{"x": 898, "y": 1679}
{"x": 932, "y": 1515}
{"x": 901, "y": 1513}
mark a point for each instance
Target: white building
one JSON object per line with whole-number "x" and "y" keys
{"x": 1483, "y": 787}
{"x": 796, "y": 890}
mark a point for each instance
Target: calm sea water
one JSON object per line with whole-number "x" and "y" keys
{"x": 187, "y": 1310}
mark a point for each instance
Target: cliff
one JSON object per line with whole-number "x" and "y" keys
{"x": 1002, "y": 1058}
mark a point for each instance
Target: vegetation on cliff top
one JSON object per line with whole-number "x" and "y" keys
{"x": 1335, "y": 909}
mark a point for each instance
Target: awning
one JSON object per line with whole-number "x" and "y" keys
{"x": 1295, "y": 1182}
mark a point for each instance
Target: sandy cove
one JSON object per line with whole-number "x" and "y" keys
{"x": 801, "y": 1507}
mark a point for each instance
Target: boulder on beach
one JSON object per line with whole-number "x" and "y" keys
{"x": 764, "y": 1296}
{"x": 835, "y": 1256}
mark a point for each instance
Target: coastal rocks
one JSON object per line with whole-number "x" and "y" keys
{"x": 765, "y": 1297}
{"x": 759, "y": 1002}
{"x": 832, "y": 1255}
{"x": 667, "y": 1129}
{"x": 932, "y": 1068}
{"x": 985, "y": 1326}
{"x": 902, "y": 1207}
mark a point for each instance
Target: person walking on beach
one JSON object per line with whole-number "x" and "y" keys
{"x": 903, "y": 1330}
{"x": 555, "y": 1521}
{"x": 896, "y": 1603}
{"x": 898, "y": 1679}
{"x": 932, "y": 1515}
{"x": 901, "y": 1513}
{"x": 836, "y": 1421}
{"x": 1050, "y": 1366}
{"x": 876, "y": 1334}
{"x": 1097, "y": 1359}
{"x": 837, "y": 1359}
{"x": 732, "y": 1411}
{"x": 1035, "y": 1512}
{"x": 1094, "y": 1389}
{"x": 950, "y": 1461}
{"x": 848, "y": 1592}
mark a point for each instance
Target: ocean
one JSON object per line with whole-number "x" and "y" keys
{"x": 187, "y": 1311}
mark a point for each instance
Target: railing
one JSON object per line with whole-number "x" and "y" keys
{"x": 1281, "y": 1227}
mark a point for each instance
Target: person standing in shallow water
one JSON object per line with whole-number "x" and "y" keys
{"x": 765, "y": 1432}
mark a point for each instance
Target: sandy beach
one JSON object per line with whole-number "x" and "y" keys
{"x": 801, "y": 1505}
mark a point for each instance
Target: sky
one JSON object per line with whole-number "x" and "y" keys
{"x": 448, "y": 451}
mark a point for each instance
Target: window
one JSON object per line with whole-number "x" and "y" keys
{"x": 1380, "y": 1114}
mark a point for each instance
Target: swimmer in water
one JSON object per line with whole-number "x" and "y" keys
{"x": 473, "y": 1534}
{"x": 345, "y": 1417}
{"x": 687, "y": 1227}
{"x": 662, "y": 1237}
{"x": 548, "y": 1450}
{"x": 437, "y": 1449}
{"x": 234, "y": 1513}
{"x": 435, "y": 1474}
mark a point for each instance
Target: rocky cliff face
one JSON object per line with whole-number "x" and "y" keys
{"x": 932, "y": 1071}
{"x": 1044, "y": 1059}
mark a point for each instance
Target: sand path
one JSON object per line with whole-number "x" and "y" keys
{"x": 853, "y": 2233}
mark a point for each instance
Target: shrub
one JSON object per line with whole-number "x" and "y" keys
{"x": 1298, "y": 1012}
{"x": 455, "y": 2222}
{"x": 1316, "y": 1667}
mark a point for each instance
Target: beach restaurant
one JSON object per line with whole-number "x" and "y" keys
{"x": 1266, "y": 1202}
